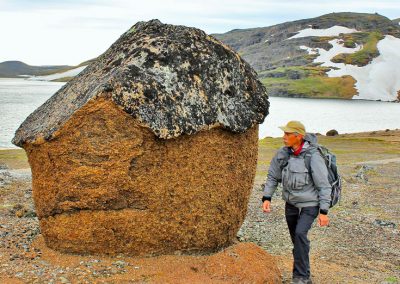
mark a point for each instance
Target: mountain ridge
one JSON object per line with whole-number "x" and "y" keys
{"x": 16, "y": 69}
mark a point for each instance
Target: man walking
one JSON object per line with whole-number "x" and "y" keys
{"x": 302, "y": 171}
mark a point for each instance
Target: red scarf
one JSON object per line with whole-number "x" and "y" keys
{"x": 297, "y": 152}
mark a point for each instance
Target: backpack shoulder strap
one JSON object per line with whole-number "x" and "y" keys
{"x": 308, "y": 154}
{"x": 283, "y": 156}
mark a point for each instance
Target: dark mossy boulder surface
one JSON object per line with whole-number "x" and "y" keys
{"x": 173, "y": 79}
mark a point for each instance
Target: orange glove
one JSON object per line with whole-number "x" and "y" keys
{"x": 266, "y": 206}
{"x": 323, "y": 220}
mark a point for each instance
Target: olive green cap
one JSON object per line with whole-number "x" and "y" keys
{"x": 294, "y": 126}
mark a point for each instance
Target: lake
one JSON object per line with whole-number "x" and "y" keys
{"x": 19, "y": 97}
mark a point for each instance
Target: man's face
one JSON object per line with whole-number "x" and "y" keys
{"x": 291, "y": 139}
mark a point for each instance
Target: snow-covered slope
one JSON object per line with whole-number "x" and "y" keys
{"x": 379, "y": 80}
{"x": 69, "y": 73}
{"x": 332, "y": 31}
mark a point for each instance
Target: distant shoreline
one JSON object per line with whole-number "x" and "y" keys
{"x": 372, "y": 132}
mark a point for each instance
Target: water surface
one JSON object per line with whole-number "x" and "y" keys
{"x": 19, "y": 98}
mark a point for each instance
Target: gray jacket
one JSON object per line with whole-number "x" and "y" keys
{"x": 301, "y": 187}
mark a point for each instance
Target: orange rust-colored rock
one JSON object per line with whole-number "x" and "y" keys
{"x": 106, "y": 185}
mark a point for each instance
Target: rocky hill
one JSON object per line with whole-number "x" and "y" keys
{"x": 289, "y": 56}
{"x": 10, "y": 69}
{"x": 15, "y": 69}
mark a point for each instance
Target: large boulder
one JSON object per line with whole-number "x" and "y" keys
{"x": 152, "y": 149}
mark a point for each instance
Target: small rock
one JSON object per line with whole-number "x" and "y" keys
{"x": 382, "y": 223}
{"x": 332, "y": 132}
{"x": 120, "y": 263}
{"x": 20, "y": 213}
{"x": 233, "y": 254}
{"x": 64, "y": 280}
{"x": 362, "y": 172}
{"x": 30, "y": 214}
{"x": 14, "y": 257}
{"x": 3, "y": 166}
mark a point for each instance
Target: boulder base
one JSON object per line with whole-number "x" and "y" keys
{"x": 239, "y": 263}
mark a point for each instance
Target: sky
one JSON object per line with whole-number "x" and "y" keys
{"x": 68, "y": 32}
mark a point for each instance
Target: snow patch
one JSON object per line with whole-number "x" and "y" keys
{"x": 69, "y": 73}
{"x": 332, "y": 31}
{"x": 379, "y": 80}
{"x": 325, "y": 56}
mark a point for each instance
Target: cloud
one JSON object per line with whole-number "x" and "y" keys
{"x": 71, "y": 31}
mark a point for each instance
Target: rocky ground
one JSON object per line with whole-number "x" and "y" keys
{"x": 361, "y": 245}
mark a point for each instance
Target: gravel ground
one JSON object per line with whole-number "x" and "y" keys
{"x": 361, "y": 245}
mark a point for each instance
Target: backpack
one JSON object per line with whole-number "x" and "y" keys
{"x": 334, "y": 178}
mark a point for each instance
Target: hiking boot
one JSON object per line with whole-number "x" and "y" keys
{"x": 301, "y": 280}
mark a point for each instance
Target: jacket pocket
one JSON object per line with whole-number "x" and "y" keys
{"x": 297, "y": 174}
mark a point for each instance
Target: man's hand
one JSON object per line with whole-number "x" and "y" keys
{"x": 323, "y": 220}
{"x": 266, "y": 206}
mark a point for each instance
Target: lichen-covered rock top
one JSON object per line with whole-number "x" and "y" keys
{"x": 173, "y": 79}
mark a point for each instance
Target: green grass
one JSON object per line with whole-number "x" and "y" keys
{"x": 6, "y": 206}
{"x": 310, "y": 81}
{"x": 14, "y": 158}
{"x": 366, "y": 54}
{"x": 315, "y": 86}
{"x": 349, "y": 43}
{"x": 63, "y": 79}
{"x": 303, "y": 71}
{"x": 322, "y": 38}
{"x": 391, "y": 279}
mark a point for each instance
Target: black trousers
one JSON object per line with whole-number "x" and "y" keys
{"x": 299, "y": 222}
